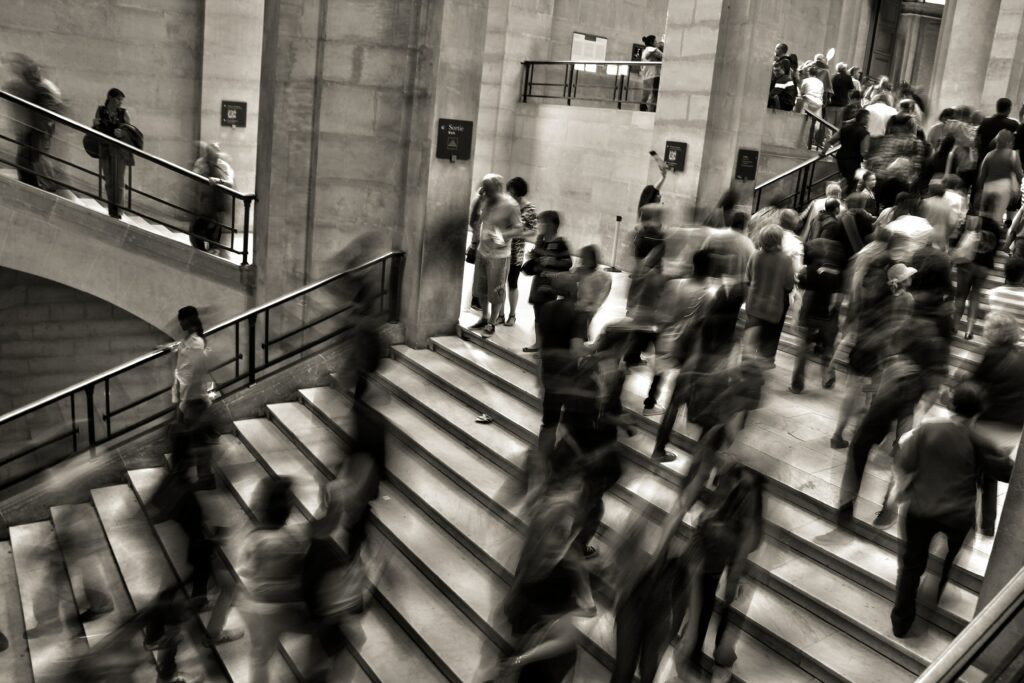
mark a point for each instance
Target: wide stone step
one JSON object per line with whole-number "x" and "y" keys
{"x": 146, "y": 571}
{"x": 54, "y": 635}
{"x": 15, "y": 664}
{"x": 87, "y": 555}
{"x": 384, "y": 634}
{"x": 806, "y": 477}
{"x": 474, "y": 521}
{"x": 234, "y": 655}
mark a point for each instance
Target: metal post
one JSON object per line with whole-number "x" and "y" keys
{"x": 90, "y": 410}
{"x": 251, "y": 361}
{"x": 565, "y": 82}
{"x": 613, "y": 268}
{"x": 74, "y": 426}
{"x": 526, "y": 81}
{"x": 395, "y": 288}
{"x": 106, "y": 403}
{"x": 245, "y": 232}
{"x": 129, "y": 188}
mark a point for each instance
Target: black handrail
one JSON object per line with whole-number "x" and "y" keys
{"x": 81, "y": 127}
{"x": 244, "y": 374}
{"x": 568, "y": 87}
{"x": 804, "y": 171}
{"x": 985, "y": 627}
{"x": 95, "y": 191}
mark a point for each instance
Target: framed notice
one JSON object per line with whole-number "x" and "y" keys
{"x": 232, "y": 114}
{"x": 454, "y": 139}
{"x": 746, "y": 164}
{"x": 675, "y": 155}
{"x": 636, "y": 55}
{"x": 588, "y": 47}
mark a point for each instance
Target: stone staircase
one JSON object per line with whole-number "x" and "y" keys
{"x": 162, "y": 228}
{"x": 450, "y": 527}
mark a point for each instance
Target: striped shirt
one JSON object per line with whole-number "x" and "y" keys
{"x": 1008, "y": 299}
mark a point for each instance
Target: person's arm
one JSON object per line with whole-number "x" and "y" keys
{"x": 561, "y": 639}
{"x": 991, "y": 459}
{"x": 908, "y": 455}
{"x": 983, "y": 173}
{"x": 865, "y": 146}
{"x": 833, "y": 139}
{"x": 1011, "y": 234}
{"x": 661, "y": 181}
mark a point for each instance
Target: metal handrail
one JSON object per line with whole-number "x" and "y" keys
{"x": 587, "y": 61}
{"x": 979, "y": 632}
{"x": 81, "y": 127}
{"x": 822, "y": 121}
{"x": 803, "y": 164}
{"x": 156, "y": 353}
{"x": 247, "y": 367}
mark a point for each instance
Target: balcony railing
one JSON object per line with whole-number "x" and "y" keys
{"x": 158, "y": 190}
{"x": 604, "y": 82}
{"x": 242, "y": 350}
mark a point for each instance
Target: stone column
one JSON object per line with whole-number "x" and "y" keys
{"x": 968, "y": 29}
{"x": 1004, "y": 563}
{"x": 1006, "y": 60}
{"x": 437, "y": 192}
{"x": 232, "y": 40}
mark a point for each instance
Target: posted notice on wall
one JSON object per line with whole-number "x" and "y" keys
{"x": 587, "y": 47}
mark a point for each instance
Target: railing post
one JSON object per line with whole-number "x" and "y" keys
{"x": 395, "y": 288}
{"x": 129, "y": 207}
{"x": 526, "y": 81}
{"x": 251, "y": 361}
{"x": 245, "y": 231}
{"x": 90, "y": 410}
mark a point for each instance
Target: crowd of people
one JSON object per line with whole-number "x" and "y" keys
{"x": 34, "y": 160}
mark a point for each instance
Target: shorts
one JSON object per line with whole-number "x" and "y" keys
{"x": 513, "y": 275}
{"x": 490, "y": 275}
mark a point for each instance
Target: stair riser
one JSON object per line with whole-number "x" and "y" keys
{"x": 791, "y": 495}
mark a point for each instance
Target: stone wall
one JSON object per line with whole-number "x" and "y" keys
{"x": 54, "y": 336}
{"x": 150, "y": 50}
{"x": 588, "y": 164}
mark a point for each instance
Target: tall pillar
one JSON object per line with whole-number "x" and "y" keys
{"x": 1006, "y": 60}
{"x": 1004, "y": 563}
{"x": 968, "y": 29}
{"x": 438, "y": 190}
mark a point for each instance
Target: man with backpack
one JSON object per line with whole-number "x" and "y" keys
{"x": 821, "y": 279}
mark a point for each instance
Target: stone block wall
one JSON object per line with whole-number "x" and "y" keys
{"x": 54, "y": 336}
{"x": 150, "y": 50}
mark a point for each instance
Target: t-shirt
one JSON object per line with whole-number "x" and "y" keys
{"x": 771, "y": 277}
{"x": 989, "y": 128}
{"x": 878, "y": 119}
{"x": 813, "y": 92}
{"x": 497, "y": 217}
{"x": 910, "y": 233}
{"x": 850, "y": 137}
{"x": 649, "y": 71}
{"x": 842, "y": 84}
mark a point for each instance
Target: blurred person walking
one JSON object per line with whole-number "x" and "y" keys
{"x": 35, "y": 135}
{"x": 770, "y": 278}
{"x": 999, "y": 175}
{"x": 855, "y": 143}
{"x": 518, "y": 189}
{"x": 821, "y": 279}
{"x": 941, "y": 460}
{"x": 206, "y": 229}
{"x": 1008, "y": 298}
{"x": 974, "y": 257}
{"x": 650, "y": 73}
{"x": 550, "y": 255}
{"x": 593, "y": 284}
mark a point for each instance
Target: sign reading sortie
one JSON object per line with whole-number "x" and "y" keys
{"x": 454, "y": 139}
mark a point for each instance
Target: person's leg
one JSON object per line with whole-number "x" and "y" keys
{"x": 668, "y": 422}
{"x": 708, "y": 584}
{"x": 963, "y": 286}
{"x": 989, "y": 498}
{"x": 117, "y": 188}
{"x": 480, "y": 288}
{"x": 796, "y": 382}
{"x": 870, "y": 431}
{"x": 513, "y": 294}
{"x": 978, "y": 275}
{"x": 551, "y": 414}
{"x": 496, "y": 277}
{"x": 917, "y": 533}
{"x": 652, "y": 393}
{"x": 628, "y": 641}
{"x": 655, "y": 86}
{"x": 955, "y": 538}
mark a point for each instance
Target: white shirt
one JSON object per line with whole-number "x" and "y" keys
{"x": 813, "y": 91}
{"x": 910, "y": 234}
{"x": 879, "y": 114}
{"x": 650, "y": 54}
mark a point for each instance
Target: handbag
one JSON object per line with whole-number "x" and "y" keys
{"x": 91, "y": 143}
{"x": 967, "y": 248}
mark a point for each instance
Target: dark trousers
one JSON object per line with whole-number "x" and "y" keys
{"x": 848, "y": 169}
{"x": 895, "y": 401}
{"x": 769, "y": 333}
{"x": 165, "y": 615}
{"x": 637, "y": 344}
{"x": 918, "y": 533}
{"x": 814, "y": 330}
{"x": 707, "y": 585}
{"x": 680, "y": 393}
{"x": 113, "y": 165}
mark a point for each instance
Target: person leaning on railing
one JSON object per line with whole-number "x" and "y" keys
{"x": 111, "y": 119}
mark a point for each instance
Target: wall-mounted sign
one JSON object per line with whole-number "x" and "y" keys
{"x": 636, "y": 55}
{"x": 454, "y": 139}
{"x": 746, "y": 164}
{"x": 587, "y": 47}
{"x": 232, "y": 114}
{"x": 675, "y": 155}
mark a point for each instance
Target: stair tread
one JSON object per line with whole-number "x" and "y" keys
{"x": 774, "y": 555}
{"x": 270, "y": 445}
{"x": 319, "y": 440}
{"x": 141, "y": 562}
{"x": 421, "y": 605}
{"x": 777, "y": 614}
{"x": 774, "y": 464}
{"x": 15, "y": 664}
{"x": 85, "y": 551}
{"x": 234, "y": 655}
{"x": 44, "y": 589}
